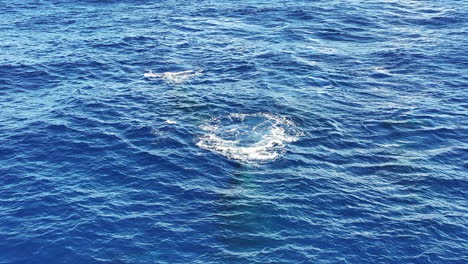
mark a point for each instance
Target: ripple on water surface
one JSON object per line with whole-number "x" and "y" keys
{"x": 267, "y": 132}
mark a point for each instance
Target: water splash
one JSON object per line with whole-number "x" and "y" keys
{"x": 257, "y": 138}
{"x": 174, "y": 77}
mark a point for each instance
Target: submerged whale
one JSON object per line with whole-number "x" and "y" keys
{"x": 173, "y": 77}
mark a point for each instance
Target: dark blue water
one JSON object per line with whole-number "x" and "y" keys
{"x": 270, "y": 131}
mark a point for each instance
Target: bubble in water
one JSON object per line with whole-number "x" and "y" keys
{"x": 259, "y": 137}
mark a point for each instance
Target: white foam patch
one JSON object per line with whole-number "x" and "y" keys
{"x": 382, "y": 70}
{"x": 259, "y": 137}
{"x": 174, "y": 77}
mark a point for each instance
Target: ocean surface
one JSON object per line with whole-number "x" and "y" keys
{"x": 233, "y": 131}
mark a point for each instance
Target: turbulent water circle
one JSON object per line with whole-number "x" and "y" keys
{"x": 259, "y": 137}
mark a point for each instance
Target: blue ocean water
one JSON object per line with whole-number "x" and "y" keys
{"x": 233, "y": 131}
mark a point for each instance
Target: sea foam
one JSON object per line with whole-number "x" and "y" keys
{"x": 259, "y": 137}
{"x": 174, "y": 77}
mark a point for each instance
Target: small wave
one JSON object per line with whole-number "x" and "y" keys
{"x": 259, "y": 137}
{"x": 174, "y": 77}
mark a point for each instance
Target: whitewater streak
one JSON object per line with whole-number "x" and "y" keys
{"x": 174, "y": 77}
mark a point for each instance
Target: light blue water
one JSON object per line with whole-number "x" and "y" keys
{"x": 302, "y": 131}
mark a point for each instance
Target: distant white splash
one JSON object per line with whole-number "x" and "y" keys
{"x": 256, "y": 138}
{"x": 171, "y": 122}
{"x": 174, "y": 77}
{"x": 381, "y": 70}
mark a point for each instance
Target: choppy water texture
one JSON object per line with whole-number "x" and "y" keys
{"x": 301, "y": 131}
